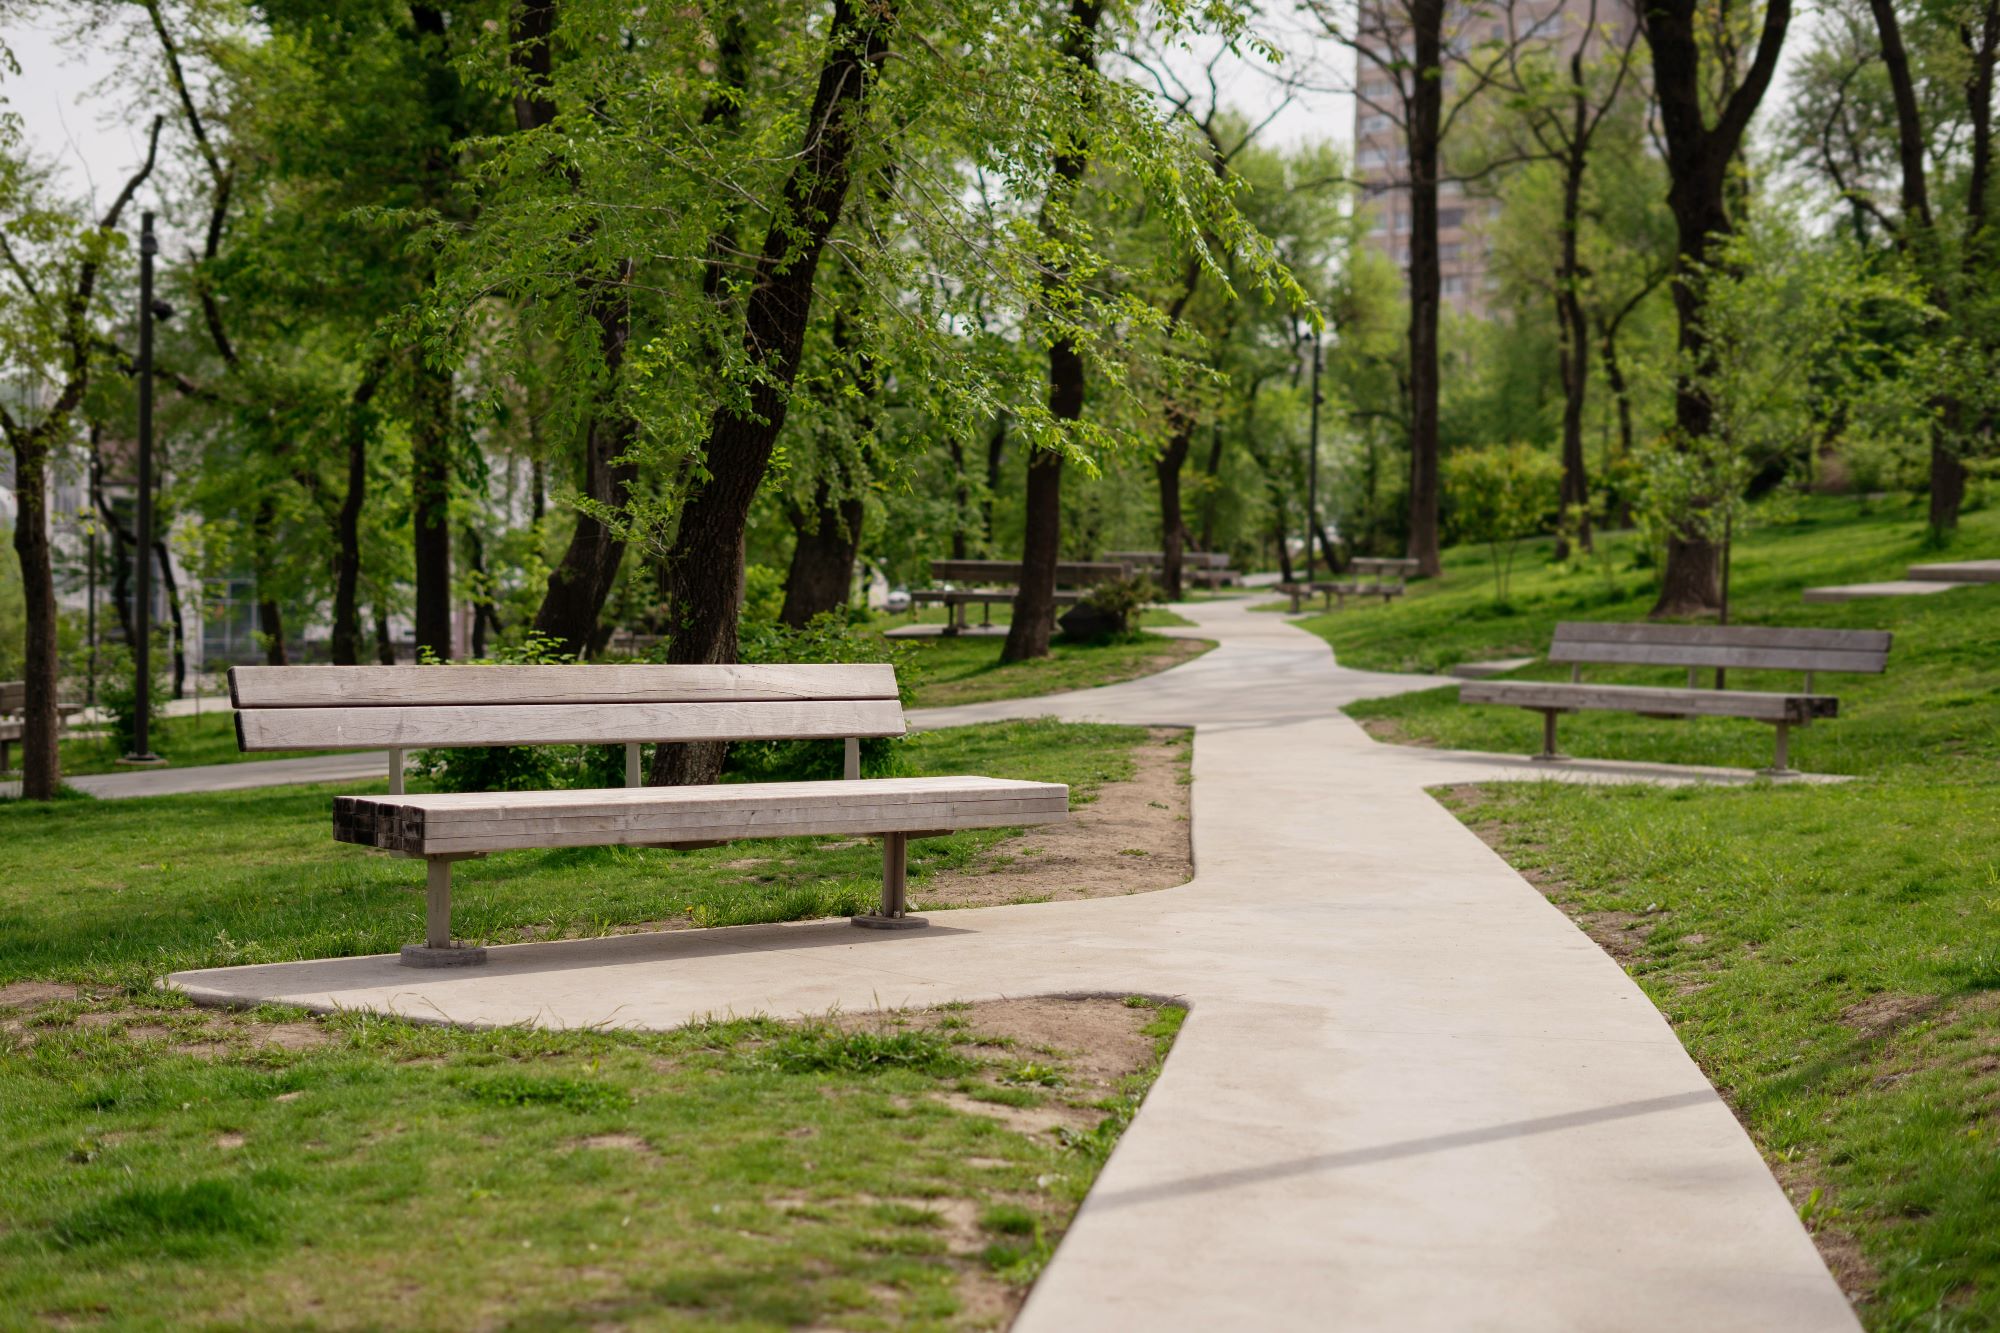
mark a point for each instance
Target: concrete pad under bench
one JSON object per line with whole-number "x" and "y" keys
{"x": 1854, "y": 592}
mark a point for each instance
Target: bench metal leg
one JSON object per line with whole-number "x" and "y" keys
{"x": 1781, "y": 762}
{"x": 1549, "y": 752}
{"x": 894, "y": 913}
{"x": 438, "y": 949}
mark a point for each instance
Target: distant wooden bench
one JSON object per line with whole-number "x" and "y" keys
{"x": 1697, "y": 648}
{"x": 1207, "y": 569}
{"x": 981, "y": 580}
{"x": 401, "y": 708}
{"x": 1372, "y": 577}
{"x": 13, "y": 704}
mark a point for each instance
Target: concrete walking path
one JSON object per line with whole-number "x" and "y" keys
{"x": 354, "y": 767}
{"x": 1410, "y": 1094}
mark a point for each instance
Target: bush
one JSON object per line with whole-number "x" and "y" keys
{"x": 827, "y": 638}
{"x": 524, "y": 767}
{"x": 1500, "y": 494}
{"x": 1112, "y": 607}
{"x": 118, "y": 693}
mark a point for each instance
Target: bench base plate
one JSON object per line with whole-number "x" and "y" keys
{"x": 873, "y": 921}
{"x": 456, "y": 955}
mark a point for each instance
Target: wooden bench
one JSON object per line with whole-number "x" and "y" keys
{"x": 402, "y": 708}
{"x": 1383, "y": 578}
{"x": 1207, "y": 569}
{"x": 13, "y": 705}
{"x": 982, "y": 577}
{"x": 1697, "y": 648}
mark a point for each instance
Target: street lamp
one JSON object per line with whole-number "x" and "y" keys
{"x": 142, "y": 618}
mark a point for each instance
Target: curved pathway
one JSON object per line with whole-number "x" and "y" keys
{"x": 1410, "y": 1094}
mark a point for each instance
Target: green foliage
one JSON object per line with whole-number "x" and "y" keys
{"x": 523, "y": 767}
{"x": 118, "y": 692}
{"x": 13, "y": 610}
{"x": 827, "y": 638}
{"x": 571, "y": 1094}
{"x": 826, "y": 1048}
{"x": 1121, "y": 601}
{"x": 1499, "y": 495}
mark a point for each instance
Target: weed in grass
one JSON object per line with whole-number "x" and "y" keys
{"x": 571, "y": 1094}
{"x": 819, "y": 1048}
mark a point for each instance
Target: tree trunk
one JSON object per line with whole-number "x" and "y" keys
{"x": 961, "y": 499}
{"x": 41, "y": 761}
{"x": 270, "y": 618}
{"x": 170, "y": 586}
{"x": 385, "y": 644}
{"x": 821, "y": 576}
{"x": 582, "y": 581}
{"x": 1041, "y": 536}
{"x": 1426, "y": 111}
{"x": 996, "y": 452}
{"x": 430, "y": 507}
{"x": 704, "y": 569}
{"x": 346, "y": 638}
{"x": 1698, "y": 161}
{"x": 1173, "y": 527}
{"x": 1575, "y": 350}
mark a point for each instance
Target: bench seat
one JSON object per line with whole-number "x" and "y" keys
{"x": 1695, "y": 649}
{"x": 465, "y": 823}
{"x": 1653, "y": 700}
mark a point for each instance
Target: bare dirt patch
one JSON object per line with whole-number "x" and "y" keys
{"x": 1134, "y": 838}
{"x": 22, "y": 994}
{"x": 1886, "y": 1013}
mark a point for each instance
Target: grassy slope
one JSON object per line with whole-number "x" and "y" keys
{"x": 1830, "y": 955}
{"x": 162, "y": 1166}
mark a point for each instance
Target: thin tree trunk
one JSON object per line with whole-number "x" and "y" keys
{"x": 1426, "y": 111}
{"x": 996, "y": 452}
{"x": 346, "y": 638}
{"x": 1173, "y": 527}
{"x": 41, "y": 761}
{"x": 270, "y": 618}
{"x": 1041, "y": 537}
{"x": 704, "y": 569}
{"x": 430, "y": 506}
{"x": 171, "y": 587}
{"x": 385, "y": 644}
{"x": 1570, "y": 318}
{"x": 961, "y": 499}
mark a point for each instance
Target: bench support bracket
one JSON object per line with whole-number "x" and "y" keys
{"x": 1781, "y": 760}
{"x": 438, "y": 948}
{"x": 894, "y": 913}
{"x": 1549, "y": 754}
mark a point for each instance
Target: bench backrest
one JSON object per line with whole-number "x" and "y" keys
{"x": 1069, "y": 573}
{"x": 413, "y": 707}
{"x": 13, "y": 696}
{"x": 1366, "y": 564}
{"x": 1154, "y": 559}
{"x": 1750, "y": 647}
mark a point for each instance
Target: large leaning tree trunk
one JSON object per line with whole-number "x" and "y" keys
{"x": 32, "y": 443}
{"x": 1041, "y": 537}
{"x": 704, "y": 568}
{"x": 1698, "y": 160}
{"x": 583, "y": 579}
{"x": 1426, "y": 128}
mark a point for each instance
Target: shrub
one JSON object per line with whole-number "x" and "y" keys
{"x": 118, "y": 693}
{"x": 1113, "y": 605}
{"x": 1500, "y": 494}
{"x": 826, "y": 638}
{"x": 524, "y": 767}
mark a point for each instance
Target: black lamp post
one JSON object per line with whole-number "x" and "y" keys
{"x": 142, "y": 617}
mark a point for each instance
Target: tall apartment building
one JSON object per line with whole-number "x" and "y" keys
{"x": 1381, "y": 162}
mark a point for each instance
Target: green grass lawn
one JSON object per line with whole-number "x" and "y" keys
{"x": 208, "y": 738}
{"x": 1829, "y": 954}
{"x": 163, "y": 1166}
{"x": 969, "y": 670}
